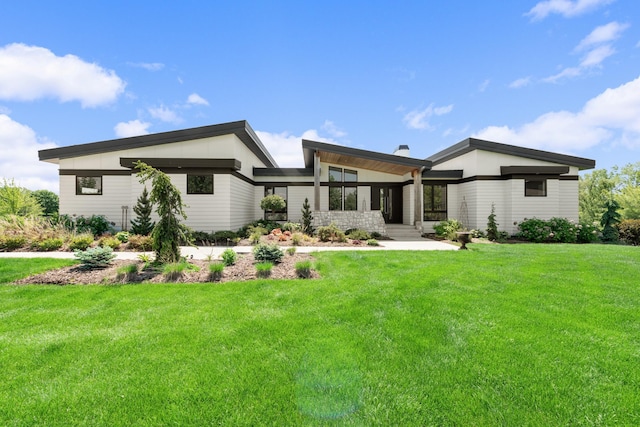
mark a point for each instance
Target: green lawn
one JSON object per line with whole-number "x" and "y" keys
{"x": 499, "y": 335}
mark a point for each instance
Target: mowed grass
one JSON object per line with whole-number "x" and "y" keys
{"x": 498, "y": 335}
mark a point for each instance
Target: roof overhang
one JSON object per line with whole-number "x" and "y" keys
{"x": 128, "y": 162}
{"x": 240, "y": 128}
{"x": 471, "y": 144}
{"x": 533, "y": 170}
{"x": 443, "y": 174}
{"x": 362, "y": 159}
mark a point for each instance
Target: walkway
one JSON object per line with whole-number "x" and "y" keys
{"x": 204, "y": 252}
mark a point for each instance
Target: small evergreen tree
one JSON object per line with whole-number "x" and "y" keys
{"x": 492, "y": 225}
{"x": 610, "y": 218}
{"x": 142, "y": 224}
{"x": 168, "y": 232}
{"x": 306, "y": 217}
{"x": 48, "y": 200}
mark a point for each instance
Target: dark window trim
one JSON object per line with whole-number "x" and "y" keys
{"x": 434, "y": 211}
{"x": 208, "y": 193}
{"x": 78, "y": 188}
{"x": 544, "y": 187}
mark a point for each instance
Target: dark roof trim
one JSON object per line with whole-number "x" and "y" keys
{"x": 160, "y": 162}
{"x": 534, "y": 170}
{"x": 471, "y": 144}
{"x": 283, "y": 172}
{"x": 445, "y": 174}
{"x": 240, "y": 128}
{"x": 309, "y": 147}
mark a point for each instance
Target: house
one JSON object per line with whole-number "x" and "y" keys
{"x": 224, "y": 170}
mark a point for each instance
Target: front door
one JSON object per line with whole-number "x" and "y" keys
{"x": 387, "y": 199}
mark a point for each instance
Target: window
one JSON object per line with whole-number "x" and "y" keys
{"x": 535, "y": 187}
{"x": 86, "y": 185}
{"x": 342, "y": 197}
{"x": 199, "y": 184}
{"x": 279, "y": 215}
{"x": 435, "y": 202}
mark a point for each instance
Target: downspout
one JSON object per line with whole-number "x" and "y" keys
{"x": 419, "y": 202}
{"x": 316, "y": 181}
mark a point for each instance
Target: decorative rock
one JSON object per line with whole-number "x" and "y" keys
{"x": 371, "y": 221}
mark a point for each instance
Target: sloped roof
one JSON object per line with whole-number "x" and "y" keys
{"x": 471, "y": 144}
{"x": 365, "y": 159}
{"x": 240, "y": 128}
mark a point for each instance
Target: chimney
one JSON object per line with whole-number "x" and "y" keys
{"x": 402, "y": 150}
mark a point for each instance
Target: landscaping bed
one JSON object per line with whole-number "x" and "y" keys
{"x": 197, "y": 271}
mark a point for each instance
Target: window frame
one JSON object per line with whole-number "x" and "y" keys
{"x": 194, "y": 175}
{"x": 528, "y": 191}
{"x": 348, "y": 177}
{"x": 99, "y": 186}
{"x": 436, "y": 214}
{"x": 275, "y": 215}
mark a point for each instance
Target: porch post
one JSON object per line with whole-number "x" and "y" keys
{"x": 316, "y": 181}
{"x": 418, "y": 208}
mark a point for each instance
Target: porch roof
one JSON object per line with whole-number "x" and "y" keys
{"x": 364, "y": 159}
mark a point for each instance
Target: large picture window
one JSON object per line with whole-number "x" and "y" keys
{"x": 279, "y": 215}
{"x": 199, "y": 184}
{"x": 435, "y": 202}
{"x": 535, "y": 187}
{"x": 342, "y": 197}
{"x": 89, "y": 185}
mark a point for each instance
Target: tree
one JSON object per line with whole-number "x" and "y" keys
{"x": 273, "y": 204}
{"x": 168, "y": 232}
{"x": 492, "y": 225}
{"x": 18, "y": 201}
{"x": 142, "y": 224}
{"x": 610, "y": 218}
{"x": 595, "y": 189}
{"x": 307, "y": 218}
{"x": 628, "y": 194}
{"x": 48, "y": 200}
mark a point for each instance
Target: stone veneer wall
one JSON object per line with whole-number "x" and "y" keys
{"x": 371, "y": 221}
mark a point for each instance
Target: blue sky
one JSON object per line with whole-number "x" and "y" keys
{"x": 557, "y": 75}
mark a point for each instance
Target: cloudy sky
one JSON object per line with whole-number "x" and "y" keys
{"x": 558, "y": 75}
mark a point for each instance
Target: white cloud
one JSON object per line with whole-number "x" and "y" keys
{"x": 131, "y": 128}
{"x": 196, "y": 99}
{"x": 596, "y": 56}
{"x": 333, "y": 130}
{"x": 602, "y": 34}
{"x": 150, "y": 66}
{"x": 611, "y": 117}
{"x": 28, "y": 73}
{"x": 286, "y": 148}
{"x": 522, "y": 82}
{"x": 419, "y": 119}
{"x": 484, "y": 85}
{"x": 566, "y": 8}
{"x": 19, "y": 161}
{"x": 165, "y": 114}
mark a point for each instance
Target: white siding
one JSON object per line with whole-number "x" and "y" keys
{"x": 568, "y": 200}
{"x": 296, "y": 195}
{"x": 408, "y": 206}
{"x": 206, "y": 212}
{"x": 242, "y": 203}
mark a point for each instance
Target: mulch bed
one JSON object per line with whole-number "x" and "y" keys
{"x": 243, "y": 269}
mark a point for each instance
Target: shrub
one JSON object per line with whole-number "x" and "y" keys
{"x": 307, "y": 217}
{"x": 609, "y": 220}
{"x": 563, "y": 230}
{"x": 357, "y": 234}
{"x": 215, "y": 271}
{"x": 50, "y": 244}
{"x": 268, "y": 253}
{"x": 296, "y": 239}
{"x": 81, "y": 242}
{"x": 174, "y": 271}
{"x": 123, "y": 236}
{"x": 492, "y": 225}
{"x": 372, "y": 242}
{"x": 255, "y": 238}
{"x": 225, "y": 237}
{"x": 110, "y": 241}
{"x": 303, "y": 269}
{"x": 261, "y": 224}
{"x": 629, "y": 230}
{"x": 142, "y": 224}
{"x": 331, "y": 233}
{"x": 272, "y": 203}
{"x": 291, "y": 251}
{"x": 375, "y": 235}
{"x": 11, "y": 243}
{"x": 229, "y": 256}
{"x": 448, "y": 228}
{"x": 291, "y": 226}
{"x": 140, "y": 243}
{"x": 95, "y": 224}
{"x": 534, "y": 230}
{"x": 263, "y": 269}
{"x": 587, "y": 232}
{"x": 93, "y": 258}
